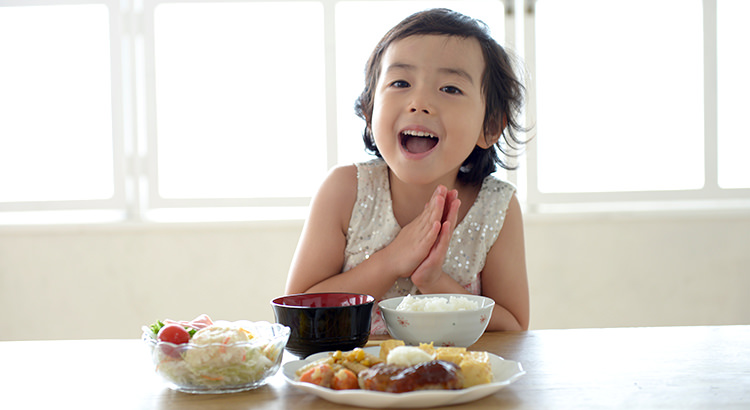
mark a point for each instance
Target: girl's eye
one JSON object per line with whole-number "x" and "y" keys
{"x": 400, "y": 84}
{"x": 451, "y": 90}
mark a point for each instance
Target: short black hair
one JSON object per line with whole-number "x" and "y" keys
{"x": 503, "y": 91}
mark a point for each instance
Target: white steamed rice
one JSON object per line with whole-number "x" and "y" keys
{"x": 436, "y": 304}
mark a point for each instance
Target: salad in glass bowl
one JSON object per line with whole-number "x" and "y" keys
{"x": 203, "y": 356}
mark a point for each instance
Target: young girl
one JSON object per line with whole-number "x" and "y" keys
{"x": 426, "y": 216}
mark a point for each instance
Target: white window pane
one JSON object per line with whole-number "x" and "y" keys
{"x": 620, "y": 95}
{"x": 733, "y": 90}
{"x": 240, "y": 99}
{"x": 356, "y": 37}
{"x": 55, "y": 104}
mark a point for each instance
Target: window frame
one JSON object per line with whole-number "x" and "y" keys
{"x": 136, "y": 197}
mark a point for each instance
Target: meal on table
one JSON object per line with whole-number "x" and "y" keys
{"x": 400, "y": 368}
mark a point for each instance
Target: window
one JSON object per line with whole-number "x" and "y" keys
{"x": 733, "y": 89}
{"x": 56, "y": 112}
{"x": 612, "y": 106}
{"x": 625, "y": 110}
{"x": 239, "y": 100}
{"x": 156, "y": 109}
{"x": 159, "y": 109}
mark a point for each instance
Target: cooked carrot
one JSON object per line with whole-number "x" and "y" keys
{"x": 344, "y": 379}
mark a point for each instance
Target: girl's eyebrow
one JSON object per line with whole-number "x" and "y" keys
{"x": 457, "y": 71}
{"x": 447, "y": 70}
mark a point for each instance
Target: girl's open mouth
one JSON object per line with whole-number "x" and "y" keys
{"x": 418, "y": 142}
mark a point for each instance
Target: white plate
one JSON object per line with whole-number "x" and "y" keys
{"x": 504, "y": 371}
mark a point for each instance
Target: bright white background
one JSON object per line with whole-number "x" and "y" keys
{"x": 216, "y": 111}
{"x": 676, "y": 267}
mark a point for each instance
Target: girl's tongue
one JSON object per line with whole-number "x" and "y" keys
{"x": 418, "y": 144}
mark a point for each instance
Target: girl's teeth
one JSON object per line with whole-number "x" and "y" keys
{"x": 419, "y": 134}
{"x": 418, "y": 141}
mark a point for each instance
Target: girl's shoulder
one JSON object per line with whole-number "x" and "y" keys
{"x": 374, "y": 165}
{"x": 495, "y": 194}
{"x": 349, "y": 175}
{"x": 494, "y": 184}
{"x": 343, "y": 173}
{"x": 371, "y": 175}
{"x": 338, "y": 191}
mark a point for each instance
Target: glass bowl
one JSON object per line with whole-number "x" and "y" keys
{"x": 323, "y": 322}
{"x": 217, "y": 367}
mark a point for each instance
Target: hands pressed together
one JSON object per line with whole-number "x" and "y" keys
{"x": 420, "y": 247}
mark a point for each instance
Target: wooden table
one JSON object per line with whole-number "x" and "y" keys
{"x": 703, "y": 367}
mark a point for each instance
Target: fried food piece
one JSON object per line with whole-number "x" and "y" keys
{"x": 476, "y": 369}
{"x": 328, "y": 360}
{"x": 320, "y": 375}
{"x": 450, "y": 354}
{"x": 429, "y": 348}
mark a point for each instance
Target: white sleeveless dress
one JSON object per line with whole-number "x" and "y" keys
{"x": 373, "y": 226}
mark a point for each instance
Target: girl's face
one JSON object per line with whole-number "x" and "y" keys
{"x": 428, "y": 109}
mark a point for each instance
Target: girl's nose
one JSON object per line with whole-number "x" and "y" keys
{"x": 421, "y": 101}
{"x": 420, "y": 104}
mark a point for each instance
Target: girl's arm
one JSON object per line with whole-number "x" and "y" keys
{"x": 503, "y": 277}
{"x": 319, "y": 257}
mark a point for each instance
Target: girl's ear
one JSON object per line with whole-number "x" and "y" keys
{"x": 484, "y": 142}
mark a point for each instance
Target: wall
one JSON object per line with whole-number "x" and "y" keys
{"x": 68, "y": 282}
{"x": 105, "y": 282}
{"x": 640, "y": 271}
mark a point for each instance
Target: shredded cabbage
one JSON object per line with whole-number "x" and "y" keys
{"x": 227, "y": 369}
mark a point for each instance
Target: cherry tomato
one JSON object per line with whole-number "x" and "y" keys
{"x": 175, "y": 334}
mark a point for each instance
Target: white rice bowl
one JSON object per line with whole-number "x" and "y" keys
{"x": 443, "y": 319}
{"x": 436, "y": 304}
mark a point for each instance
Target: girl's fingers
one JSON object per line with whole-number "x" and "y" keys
{"x": 435, "y": 194}
{"x": 450, "y": 209}
{"x": 434, "y": 209}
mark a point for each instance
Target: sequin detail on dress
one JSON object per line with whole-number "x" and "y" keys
{"x": 373, "y": 226}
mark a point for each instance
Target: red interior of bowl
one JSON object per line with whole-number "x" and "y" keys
{"x": 323, "y": 299}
